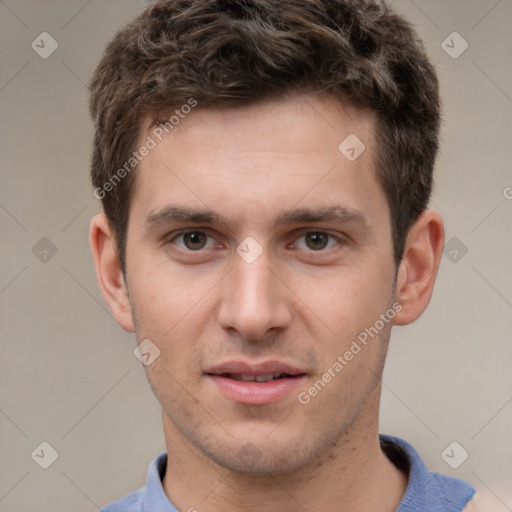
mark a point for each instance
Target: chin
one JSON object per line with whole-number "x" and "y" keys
{"x": 251, "y": 461}
{"x": 264, "y": 456}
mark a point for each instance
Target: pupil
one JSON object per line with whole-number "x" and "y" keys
{"x": 317, "y": 240}
{"x": 194, "y": 240}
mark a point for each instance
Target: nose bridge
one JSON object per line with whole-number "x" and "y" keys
{"x": 253, "y": 302}
{"x": 252, "y": 282}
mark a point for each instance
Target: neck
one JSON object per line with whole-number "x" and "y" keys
{"x": 352, "y": 475}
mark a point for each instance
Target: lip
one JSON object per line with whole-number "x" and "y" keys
{"x": 255, "y": 368}
{"x": 251, "y": 392}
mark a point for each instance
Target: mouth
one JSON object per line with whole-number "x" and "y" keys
{"x": 266, "y": 377}
{"x": 255, "y": 384}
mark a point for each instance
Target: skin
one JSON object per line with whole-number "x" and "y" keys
{"x": 296, "y": 303}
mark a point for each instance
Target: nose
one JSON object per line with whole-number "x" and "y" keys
{"x": 255, "y": 302}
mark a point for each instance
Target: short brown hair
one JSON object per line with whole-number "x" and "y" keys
{"x": 226, "y": 53}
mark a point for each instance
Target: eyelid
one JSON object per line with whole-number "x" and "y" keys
{"x": 338, "y": 237}
{"x": 171, "y": 238}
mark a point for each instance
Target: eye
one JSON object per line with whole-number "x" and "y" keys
{"x": 193, "y": 241}
{"x": 315, "y": 241}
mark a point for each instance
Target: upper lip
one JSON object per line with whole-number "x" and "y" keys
{"x": 262, "y": 368}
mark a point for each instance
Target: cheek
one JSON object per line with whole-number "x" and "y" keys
{"x": 346, "y": 300}
{"x": 351, "y": 337}
{"x": 165, "y": 297}
{"x": 174, "y": 321}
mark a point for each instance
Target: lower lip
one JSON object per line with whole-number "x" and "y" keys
{"x": 256, "y": 393}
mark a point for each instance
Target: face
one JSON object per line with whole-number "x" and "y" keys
{"x": 258, "y": 257}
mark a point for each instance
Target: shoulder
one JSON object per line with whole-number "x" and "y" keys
{"x": 130, "y": 503}
{"x": 426, "y": 490}
{"x": 150, "y": 497}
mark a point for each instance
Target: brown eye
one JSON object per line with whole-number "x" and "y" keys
{"x": 316, "y": 240}
{"x": 194, "y": 240}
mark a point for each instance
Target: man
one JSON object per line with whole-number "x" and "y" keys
{"x": 265, "y": 168}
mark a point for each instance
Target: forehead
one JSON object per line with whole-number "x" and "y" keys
{"x": 299, "y": 120}
{"x": 265, "y": 157}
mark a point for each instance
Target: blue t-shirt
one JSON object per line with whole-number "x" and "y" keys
{"x": 426, "y": 491}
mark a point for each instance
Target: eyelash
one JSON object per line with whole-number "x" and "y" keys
{"x": 337, "y": 238}
{"x": 183, "y": 233}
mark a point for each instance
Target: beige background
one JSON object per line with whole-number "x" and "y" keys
{"x": 68, "y": 374}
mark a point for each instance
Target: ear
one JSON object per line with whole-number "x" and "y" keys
{"x": 108, "y": 270}
{"x": 418, "y": 269}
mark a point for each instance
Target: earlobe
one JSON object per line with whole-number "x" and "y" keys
{"x": 418, "y": 269}
{"x": 108, "y": 269}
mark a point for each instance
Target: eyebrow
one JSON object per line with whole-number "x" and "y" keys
{"x": 179, "y": 214}
{"x": 327, "y": 214}
{"x": 338, "y": 213}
